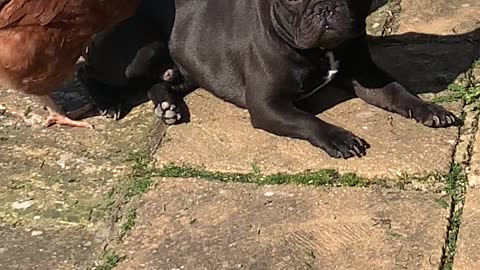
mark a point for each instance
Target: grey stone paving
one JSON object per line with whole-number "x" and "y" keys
{"x": 467, "y": 256}
{"x": 196, "y": 224}
{"x": 61, "y": 189}
{"x": 221, "y": 138}
{"x": 46, "y": 249}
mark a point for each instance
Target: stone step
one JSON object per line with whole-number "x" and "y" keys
{"x": 46, "y": 249}
{"x": 198, "y": 224}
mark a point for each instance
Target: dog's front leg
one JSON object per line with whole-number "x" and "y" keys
{"x": 271, "y": 108}
{"x": 375, "y": 87}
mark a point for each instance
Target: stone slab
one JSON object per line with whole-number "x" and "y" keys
{"x": 221, "y": 138}
{"x": 57, "y": 184}
{"x": 64, "y": 173}
{"x": 441, "y": 17}
{"x": 197, "y": 224}
{"x": 474, "y": 162}
{"x": 474, "y": 165}
{"x": 467, "y": 256}
{"x": 22, "y": 249}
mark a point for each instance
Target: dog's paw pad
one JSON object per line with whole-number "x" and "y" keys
{"x": 165, "y": 105}
{"x": 168, "y": 113}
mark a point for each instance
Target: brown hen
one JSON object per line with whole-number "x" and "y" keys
{"x": 41, "y": 41}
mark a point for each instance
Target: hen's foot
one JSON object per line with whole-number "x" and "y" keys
{"x": 58, "y": 119}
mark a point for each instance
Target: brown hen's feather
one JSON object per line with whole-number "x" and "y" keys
{"x": 41, "y": 40}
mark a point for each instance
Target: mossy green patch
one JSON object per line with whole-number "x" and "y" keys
{"x": 313, "y": 178}
{"x": 468, "y": 94}
{"x": 140, "y": 179}
{"x": 109, "y": 261}
{"x": 468, "y": 91}
{"x": 129, "y": 221}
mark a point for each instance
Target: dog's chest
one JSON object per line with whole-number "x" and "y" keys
{"x": 314, "y": 83}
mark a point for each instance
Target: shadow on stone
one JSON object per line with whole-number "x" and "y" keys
{"x": 422, "y": 63}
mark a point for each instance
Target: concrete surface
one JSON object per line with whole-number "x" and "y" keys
{"x": 221, "y": 138}
{"x": 59, "y": 187}
{"x": 46, "y": 249}
{"x": 468, "y": 245}
{"x": 60, "y": 181}
{"x": 442, "y": 17}
{"x": 419, "y": 53}
{"x": 196, "y": 224}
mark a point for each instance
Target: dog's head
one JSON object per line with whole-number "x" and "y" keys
{"x": 308, "y": 24}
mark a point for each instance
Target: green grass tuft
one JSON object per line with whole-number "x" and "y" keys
{"x": 312, "y": 178}
{"x": 129, "y": 222}
{"x": 140, "y": 180}
{"x": 109, "y": 261}
{"x": 468, "y": 94}
{"x": 456, "y": 182}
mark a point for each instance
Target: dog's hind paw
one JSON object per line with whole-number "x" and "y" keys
{"x": 168, "y": 112}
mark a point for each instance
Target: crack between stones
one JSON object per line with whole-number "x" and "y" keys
{"x": 459, "y": 189}
{"x": 391, "y": 22}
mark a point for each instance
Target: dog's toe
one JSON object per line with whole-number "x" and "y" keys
{"x": 433, "y": 115}
{"x": 165, "y": 105}
{"x": 344, "y": 144}
{"x": 113, "y": 111}
{"x": 170, "y": 114}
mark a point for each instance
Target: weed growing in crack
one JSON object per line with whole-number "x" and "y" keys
{"x": 457, "y": 92}
{"x": 312, "y": 178}
{"x": 468, "y": 93}
{"x": 109, "y": 261}
{"x": 456, "y": 187}
{"x": 129, "y": 222}
{"x": 140, "y": 178}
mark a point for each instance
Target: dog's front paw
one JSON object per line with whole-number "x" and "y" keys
{"x": 340, "y": 143}
{"x": 168, "y": 112}
{"x": 114, "y": 111}
{"x": 432, "y": 115}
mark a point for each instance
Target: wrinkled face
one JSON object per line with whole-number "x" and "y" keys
{"x": 308, "y": 24}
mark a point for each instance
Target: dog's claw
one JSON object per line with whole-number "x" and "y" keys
{"x": 410, "y": 114}
{"x": 432, "y": 115}
{"x": 452, "y": 120}
{"x": 343, "y": 144}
